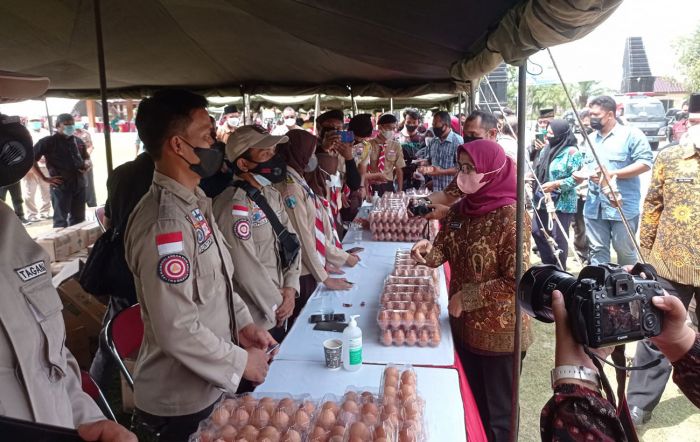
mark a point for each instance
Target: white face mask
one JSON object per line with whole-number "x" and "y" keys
{"x": 312, "y": 164}
{"x": 290, "y": 121}
{"x": 428, "y": 140}
{"x": 388, "y": 134}
{"x": 333, "y": 180}
{"x": 233, "y": 121}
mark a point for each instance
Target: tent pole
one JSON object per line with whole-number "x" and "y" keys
{"x": 317, "y": 112}
{"x": 247, "y": 117}
{"x": 471, "y": 96}
{"x": 519, "y": 241}
{"x": 391, "y": 104}
{"x": 459, "y": 110}
{"x": 103, "y": 84}
{"x": 354, "y": 105}
{"x": 48, "y": 116}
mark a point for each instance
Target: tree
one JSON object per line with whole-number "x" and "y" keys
{"x": 587, "y": 89}
{"x": 688, "y": 51}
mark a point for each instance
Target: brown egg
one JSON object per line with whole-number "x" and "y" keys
{"x": 291, "y": 436}
{"x": 367, "y": 397}
{"x": 435, "y": 340}
{"x": 383, "y": 319}
{"x": 408, "y": 377}
{"x": 302, "y": 420}
{"x": 423, "y": 338}
{"x": 411, "y": 337}
{"x": 351, "y": 406}
{"x": 280, "y": 419}
{"x": 399, "y": 337}
{"x": 395, "y": 319}
{"x": 269, "y": 434}
{"x": 391, "y": 371}
{"x": 335, "y": 439}
{"x": 406, "y": 297}
{"x": 359, "y": 430}
{"x": 408, "y": 318}
{"x": 205, "y": 436}
{"x": 390, "y": 390}
{"x": 220, "y": 416}
{"x": 326, "y": 419}
{"x": 230, "y": 404}
{"x": 288, "y": 404}
{"x": 249, "y": 401}
{"x": 260, "y": 418}
{"x": 407, "y": 435}
{"x": 370, "y": 419}
{"x": 414, "y": 424}
{"x": 369, "y": 408}
{"x": 319, "y": 433}
{"x": 248, "y": 432}
{"x": 268, "y": 403}
{"x": 387, "y": 338}
{"x": 228, "y": 433}
{"x": 309, "y": 407}
{"x": 419, "y": 318}
{"x": 239, "y": 418}
{"x": 338, "y": 430}
{"x": 330, "y": 405}
{"x": 390, "y": 413}
{"x": 408, "y": 393}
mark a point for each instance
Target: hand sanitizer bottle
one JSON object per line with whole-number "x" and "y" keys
{"x": 352, "y": 345}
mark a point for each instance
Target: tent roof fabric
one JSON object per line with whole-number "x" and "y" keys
{"x": 277, "y": 47}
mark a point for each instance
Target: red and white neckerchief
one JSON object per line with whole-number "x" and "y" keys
{"x": 327, "y": 208}
{"x": 334, "y": 202}
{"x": 319, "y": 232}
{"x": 382, "y": 156}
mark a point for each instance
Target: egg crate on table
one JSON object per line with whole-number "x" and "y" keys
{"x": 401, "y": 405}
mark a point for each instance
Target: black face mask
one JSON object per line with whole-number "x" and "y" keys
{"x": 439, "y": 131}
{"x": 596, "y": 123}
{"x": 589, "y": 130}
{"x": 274, "y": 169}
{"x": 411, "y": 128}
{"x": 469, "y": 139}
{"x": 210, "y": 160}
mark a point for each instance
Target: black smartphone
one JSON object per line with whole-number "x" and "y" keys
{"x": 355, "y": 250}
{"x": 331, "y": 326}
{"x": 540, "y": 137}
{"x": 338, "y": 317}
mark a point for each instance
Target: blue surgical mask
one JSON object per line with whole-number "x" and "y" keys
{"x": 35, "y": 125}
{"x": 68, "y": 130}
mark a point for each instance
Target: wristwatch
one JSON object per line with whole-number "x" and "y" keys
{"x": 577, "y": 372}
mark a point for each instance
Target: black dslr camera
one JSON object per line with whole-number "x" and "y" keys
{"x": 606, "y": 305}
{"x": 419, "y": 207}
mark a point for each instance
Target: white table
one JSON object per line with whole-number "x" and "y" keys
{"x": 444, "y": 412}
{"x": 305, "y": 344}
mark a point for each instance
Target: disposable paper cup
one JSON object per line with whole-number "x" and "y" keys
{"x": 332, "y": 348}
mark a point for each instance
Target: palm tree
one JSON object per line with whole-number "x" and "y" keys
{"x": 587, "y": 89}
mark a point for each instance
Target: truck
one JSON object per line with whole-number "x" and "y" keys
{"x": 646, "y": 113}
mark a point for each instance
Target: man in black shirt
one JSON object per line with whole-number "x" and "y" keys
{"x": 126, "y": 185}
{"x": 67, "y": 160}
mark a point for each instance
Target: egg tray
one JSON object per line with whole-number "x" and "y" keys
{"x": 397, "y": 237}
{"x": 252, "y": 417}
{"x": 426, "y": 293}
{"x": 416, "y": 297}
{"x": 413, "y": 271}
{"x": 417, "y": 316}
{"x": 411, "y": 336}
{"x": 398, "y": 393}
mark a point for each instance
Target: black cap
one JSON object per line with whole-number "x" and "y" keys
{"x": 230, "y": 109}
{"x": 335, "y": 114}
{"x": 64, "y": 118}
{"x": 547, "y": 113}
{"x": 694, "y": 106}
{"x": 361, "y": 125}
{"x": 387, "y": 119}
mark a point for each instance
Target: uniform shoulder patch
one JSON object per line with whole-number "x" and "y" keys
{"x": 169, "y": 243}
{"x": 239, "y": 210}
{"x": 289, "y": 180}
{"x": 31, "y": 271}
{"x": 290, "y": 201}
{"x": 174, "y": 268}
{"x": 241, "y": 229}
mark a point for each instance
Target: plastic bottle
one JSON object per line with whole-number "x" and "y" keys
{"x": 352, "y": 345}
{"x": 375, "y": 198}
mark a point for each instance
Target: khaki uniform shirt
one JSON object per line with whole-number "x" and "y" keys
{"x": 191, "y": 314}
{"x": 254, "y": 250}
{"x": 334, "y": 255}
{"x": 300, "y": 205}
{"x": 393, "y": 157}
{"x": 39, "y": 378}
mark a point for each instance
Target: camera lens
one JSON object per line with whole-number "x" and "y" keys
{"x": 536, "y": 287}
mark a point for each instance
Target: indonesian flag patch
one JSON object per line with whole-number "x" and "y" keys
{"x": 239, "y": 210}
{"x": 174, "y": 268}
{"x": 169, "y": 243}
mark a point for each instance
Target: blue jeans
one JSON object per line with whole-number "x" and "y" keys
{"x": 602, "y": 231}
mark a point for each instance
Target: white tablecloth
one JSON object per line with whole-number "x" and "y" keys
{"x": 444, "y": 411}
{"x": 305, "y": 344}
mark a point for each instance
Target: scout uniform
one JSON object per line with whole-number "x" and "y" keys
{"x": 39, "y": 378}
{"x": 311, "y": 222}
{"x": 385, "y": 157}
{"x": 191, "y": 314}
{"x": 254, "y": 249}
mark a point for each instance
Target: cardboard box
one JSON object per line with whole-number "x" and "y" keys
{"x": 90, "y": 233}
{"x": 56, "y": 244}
{"x": 83, "y": 315}
{"x": 127, "y": 393}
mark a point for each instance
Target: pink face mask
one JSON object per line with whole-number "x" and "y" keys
{"x": 472, "y": 182}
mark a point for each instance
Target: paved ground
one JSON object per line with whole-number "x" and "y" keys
{"x": 675, "y": 419}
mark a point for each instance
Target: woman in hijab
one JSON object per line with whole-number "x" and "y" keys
{"x": 554, "y": 168}
{"x": 478, "y": 241}
{"x": 306, "y": 212}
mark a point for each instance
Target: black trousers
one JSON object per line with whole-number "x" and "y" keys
{"x": 307, "y": 285}
{"x": 580, "y": 238}
{"x": 646, "y": 386}
{"x": 16, "y": 195}
{"x": 68, "y": 202}
{"x": 491, "y": 381}
{"x": 167, "y": 428}
{"x": 90, "y": 197}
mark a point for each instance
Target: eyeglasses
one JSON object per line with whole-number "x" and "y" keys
{"x": 466, "y": 167}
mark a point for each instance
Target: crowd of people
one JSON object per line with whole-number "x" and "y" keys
{"x": 227, "y": 229}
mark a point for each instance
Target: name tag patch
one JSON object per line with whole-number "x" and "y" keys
{"x": 454, "y": 225}
{"x": 31, "y": 271}
{"x": 684, "y": 180}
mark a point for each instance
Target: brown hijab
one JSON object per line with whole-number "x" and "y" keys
{"x": 298, "y": 150}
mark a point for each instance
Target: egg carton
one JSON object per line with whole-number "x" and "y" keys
{"x": 410, "y": 336}
{"x": 424, "y": 296}
{"x": 426, "y": 293}
{"x": 252, "y": 416}
{"x": 351, "y": 417}
{"x": 402, "y": 406}
{"x": 408, "y": 315}
{"x": 413, "y": 271}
